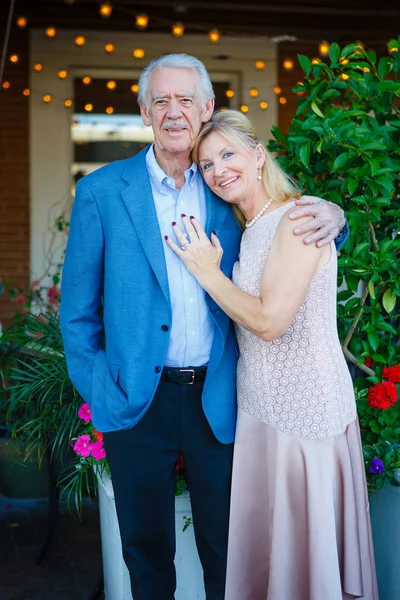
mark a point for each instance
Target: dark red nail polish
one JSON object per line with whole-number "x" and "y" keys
{"x": 166, "y": 237}
{"x": 183, "y": 215}
{"x": 192, "y": 217}
{"x": 214, "y": 233}
{"x": 173, "y": 223}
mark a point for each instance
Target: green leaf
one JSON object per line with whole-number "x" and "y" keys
{"x": 389, "y": 300}
{"x": 352, "y": 185}
{"x": 276, "y": 132}
{"x": 305, "y": 154}
{"x": 371, "y": 288}
{"x": 340, "y": 161}
{"x": 373, "y": 339}
{"x": 317, "y": 110}
{"x": 305, "y": 63}
{"x": 348, "y": 49}
{"x": 384, "y": 67}
{"x": 389, "y": 86}
{"x": 334, "y": 53}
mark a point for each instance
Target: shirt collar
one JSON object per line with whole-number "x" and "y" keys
{"x": 159, "y": 178}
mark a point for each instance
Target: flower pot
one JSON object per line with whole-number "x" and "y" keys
{"x": 385, "y": 520}
{"x": 116, "y": 577}
{"x": 20, "y": 475}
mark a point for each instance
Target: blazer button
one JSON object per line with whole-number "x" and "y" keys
{"x": 157, "y": 369}
{"x": 164, "y": 327}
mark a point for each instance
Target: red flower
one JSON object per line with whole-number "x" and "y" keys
{"x": 53, "y": 294}
{"x": 382, "y": 395}
{"x": 368, "y": 362}
{"x": 98, "y": 435}
{"x": 20, "y": 299}
{"x": 392, "y": 373}
{"x": 179, "y": 464}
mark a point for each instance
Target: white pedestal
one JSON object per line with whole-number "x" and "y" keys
{"x": 116, "y": 577}
{"x": 385, "y": 520}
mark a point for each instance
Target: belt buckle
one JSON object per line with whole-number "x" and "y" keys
{"x": 192, "y": 371}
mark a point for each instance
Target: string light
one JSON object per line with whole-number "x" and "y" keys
{"x": 178, "y": 29}
{"x": 105, "y": 9}
{"x": 324, "y": 48}
{"x": 89, "y": 107}
{"x": 138, "y": 53}
{"x": 244, "y": 108}
{"x": 277, "y": 90}
{"x": 22, "y": 22}
{"x": 359, "y": 47}
{"x": 80, "y": 40}
{"x": 253, "y": 92}
{"x": 344, "y": 61}
{"x": 259, "y": 65}
{"x": 51, "y": 32}
{"x": 394, "y": 49}
{"x": 142, "y": 21}
{"x": 26, "y": 92}
{"x": 315, "y": 61}
{"x": 38, "y": 67}
{"x": 6, "y": 85}
{"x": 230, "y": 94}
{"x": 47, "y": 98}
{"x": 62, "y": 74}
{"x": 134, "y": 88}
{"x": 111, "y": 85}
{"x": 263, "y": 105}
{"x": 214, "y": 36}
{"x": 86, "y": 80}
{"x": 288, "y": 64}
{"x": 109, "y": 110}
{"x": 366, "y": 69}
{"x": 282, "y": 100}
{"x": 344, "y": 76}
{"x": 109, "y": 48}
{"x": 68, "y": 103}
{"x": 14, "y": 58}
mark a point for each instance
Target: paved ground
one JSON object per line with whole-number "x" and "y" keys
{"x": 72, "y": 566}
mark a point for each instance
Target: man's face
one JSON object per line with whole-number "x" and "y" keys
{"x": 176, "y": 109}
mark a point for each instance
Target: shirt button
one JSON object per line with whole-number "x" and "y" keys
{"x": 169, "y": 181}
{"x": 191, "y": 300}
{"x": 157, "y": 369}
{"x": 164, "y": 327}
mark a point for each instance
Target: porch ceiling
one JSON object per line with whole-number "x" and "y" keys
{"x": 334, "y": 20}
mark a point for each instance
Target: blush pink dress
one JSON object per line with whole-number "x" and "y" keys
{"x": 299, "y": 523}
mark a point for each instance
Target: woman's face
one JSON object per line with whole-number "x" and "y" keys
{"x": 230, "y": 171}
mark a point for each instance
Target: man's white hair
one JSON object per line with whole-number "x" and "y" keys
{"x": 175, "y": 61}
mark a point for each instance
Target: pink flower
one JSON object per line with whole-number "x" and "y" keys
{"x": 35, "y": 284}
{"x": 20, "y": 299}
{"x": 97, "y": 450}
{"x": 82, "y": 445}
{"x": 85, "y": 413}
{"x": 53, "y": 294}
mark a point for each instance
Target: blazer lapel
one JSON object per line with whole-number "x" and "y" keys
{"x": 139, "y": 202}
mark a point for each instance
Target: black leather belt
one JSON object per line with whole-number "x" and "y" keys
{"x": 187, "y": 376}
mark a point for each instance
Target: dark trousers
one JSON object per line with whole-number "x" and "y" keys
{"x": 142, "y": 461}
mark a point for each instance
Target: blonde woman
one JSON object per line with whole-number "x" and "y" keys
{"x": 299, "y": 524}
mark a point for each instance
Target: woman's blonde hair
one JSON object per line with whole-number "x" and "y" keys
{"x": 238, "y": 131}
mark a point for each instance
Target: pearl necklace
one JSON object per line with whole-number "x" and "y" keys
{"x": 258, "y": 215}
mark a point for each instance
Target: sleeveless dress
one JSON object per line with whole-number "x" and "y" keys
{"x": 299, "y": 521}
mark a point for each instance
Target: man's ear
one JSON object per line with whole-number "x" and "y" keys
{"x": 145, "y": 115}
{"x": 208, "y": 110}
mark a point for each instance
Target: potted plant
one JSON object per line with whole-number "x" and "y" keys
{"x": 57, "y": 422}
{"x": 343, "y": 144}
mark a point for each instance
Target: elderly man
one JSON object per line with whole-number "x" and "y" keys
{"x": 147, "y": 349}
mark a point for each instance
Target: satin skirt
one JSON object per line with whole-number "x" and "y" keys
{"x": 299, "y": 521}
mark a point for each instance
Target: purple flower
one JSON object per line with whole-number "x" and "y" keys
{"x": 377, "y": 466}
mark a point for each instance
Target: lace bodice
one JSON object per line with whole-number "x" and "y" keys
{"x": 298, "y": 383}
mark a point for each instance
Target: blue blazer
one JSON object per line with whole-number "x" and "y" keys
{"x": 115, "y": 300}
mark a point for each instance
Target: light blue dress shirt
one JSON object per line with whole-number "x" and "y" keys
{"x": 192, "y": 328}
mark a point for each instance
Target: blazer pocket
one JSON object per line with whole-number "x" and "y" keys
{"x": 114, "y": 370}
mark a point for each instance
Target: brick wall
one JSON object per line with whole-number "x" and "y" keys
{"x": 14, "y": 172}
